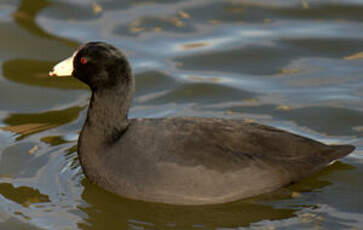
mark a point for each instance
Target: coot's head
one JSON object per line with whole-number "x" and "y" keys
{"x": 97, "y": 64}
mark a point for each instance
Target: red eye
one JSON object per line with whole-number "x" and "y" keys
{"x": 83, "y": 60}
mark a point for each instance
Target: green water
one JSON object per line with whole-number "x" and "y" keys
{"x": 296, "y": 65}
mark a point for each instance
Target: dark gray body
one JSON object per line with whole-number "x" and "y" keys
{"x": 201, "y": 161}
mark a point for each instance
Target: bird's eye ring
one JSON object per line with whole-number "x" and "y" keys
{"x": 83, "y": 60}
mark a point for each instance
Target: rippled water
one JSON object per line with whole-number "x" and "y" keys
{"x": 296, "y": 65}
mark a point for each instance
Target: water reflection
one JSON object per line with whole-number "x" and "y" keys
{"x": 16, "y": 161}
{"x": 25, "y": 17}
{"x": 23, "y": 195}
{"x": 113, "y": 212}
{"x": 175, "y": 24}
{"x": 26, "y": 39}
{"x": 325, "y": 11}
{"x": 319, "y": 181}
{"x": 325, "y": 47}
{"x": 53, "y": 140}
{"x": 25, "y": 124}
{"x": 151, "y": 82}
{"x": 245, "y": 60}
{"x": 325, "y": 120}
{"x": 32, "y": 72}
{"x": 250, "y": 59}
{"x": 203, "y": 93}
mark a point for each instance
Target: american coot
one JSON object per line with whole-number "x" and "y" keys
{"x": 187, "y": 161}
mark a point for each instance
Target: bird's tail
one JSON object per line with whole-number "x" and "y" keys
{"x": 339, "y": 151}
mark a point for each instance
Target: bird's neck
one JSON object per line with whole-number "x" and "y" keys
{"x": 107, "y": 115}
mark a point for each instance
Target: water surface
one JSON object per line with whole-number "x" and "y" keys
{"x": 296, "y": 65}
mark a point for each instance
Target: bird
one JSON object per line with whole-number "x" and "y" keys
{"x": 179, "y": 160}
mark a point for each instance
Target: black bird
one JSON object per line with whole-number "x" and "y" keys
{"x": 185, "y": 160}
